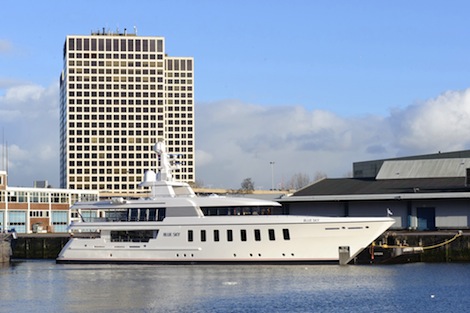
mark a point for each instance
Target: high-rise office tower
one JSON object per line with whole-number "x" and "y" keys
{"x": 119, "y": 94}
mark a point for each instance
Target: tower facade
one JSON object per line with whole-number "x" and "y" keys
{"x": 119, "y": 94}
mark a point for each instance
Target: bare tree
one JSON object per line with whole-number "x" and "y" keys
{"x": 247, "y": 185}
{"x": 299, "y": 180}
{"x": 197, "y": 184}
{"x": 319, "y": 176}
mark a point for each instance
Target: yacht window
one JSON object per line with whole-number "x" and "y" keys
{"x": 286, "y": 234}
{"x": 161, "y": 214}
{"x": 143, "y": 215}
{"x": 116, "y": 215}
{"x": 243, "y": 234}
{"x": 133, "y": 215}
{"x": 203, "y": 235}
{"x": 229, "y": 235}
{"x": 152, "y": 214}
{"x": 190, "y": 235}
{"x": 216, "y": 235}
{"x": 256, "y": 210}
{"x": 133, "y": 235}
{"x": 271, "y": 234}
{"x": 257, "y": 235}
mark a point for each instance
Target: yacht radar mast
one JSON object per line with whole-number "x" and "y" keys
{"x": 163, "y": 184}
{"x": 165, "y": 170}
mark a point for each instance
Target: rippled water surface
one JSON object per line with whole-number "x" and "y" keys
{"x": 34, "y": 286}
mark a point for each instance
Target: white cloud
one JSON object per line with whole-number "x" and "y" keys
{"x": 439, "y": 124}
{"x": 29, "y": 122}
{"x": 23, "y": 94}
{"x": 243, "y": 138}
{"x": 236, "y": 140}
{"x": 203, "y": 157}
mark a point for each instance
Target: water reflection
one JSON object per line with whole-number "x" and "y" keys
{"x": 50, "y": 287}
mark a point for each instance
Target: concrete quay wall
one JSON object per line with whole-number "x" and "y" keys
{"x": 48, "y": 246}
{"x": 38, "y": 246}
{"x": 429, "y": 246}
{"x": 5, "y": 247}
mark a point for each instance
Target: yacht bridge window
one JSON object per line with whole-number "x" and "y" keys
{"x": 125, "y": 215}
{"x": 239, "y": 210}
{"x": 145, "y": 215}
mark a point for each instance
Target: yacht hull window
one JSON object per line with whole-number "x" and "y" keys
{"x": 133, "y": 235}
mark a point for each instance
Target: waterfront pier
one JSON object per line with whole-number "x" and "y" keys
{"x": 418, "y": 246}
{"x": 391, "y": 247}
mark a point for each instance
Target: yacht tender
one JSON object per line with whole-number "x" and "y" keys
{"x": 176, "y": 226}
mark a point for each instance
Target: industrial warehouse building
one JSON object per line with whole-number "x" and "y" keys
{"x": 427, "y": 192}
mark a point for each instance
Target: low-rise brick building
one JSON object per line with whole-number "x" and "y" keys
{"x": 30, "y": 209}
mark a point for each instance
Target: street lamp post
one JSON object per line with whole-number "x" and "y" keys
{"x": 272, "y": 174}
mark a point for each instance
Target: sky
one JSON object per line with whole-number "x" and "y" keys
{"x": 281, "y": 87}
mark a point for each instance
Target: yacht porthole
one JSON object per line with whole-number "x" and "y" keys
{"x": 234, "y": 254}
{"x": 251, "y": 254}
{"x": 283, "y": 254}
{"x": 259, "y": 254}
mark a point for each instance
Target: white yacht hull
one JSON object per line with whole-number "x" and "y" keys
{"x": 310, "y": 239}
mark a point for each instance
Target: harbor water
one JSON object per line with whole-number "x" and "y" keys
{"x": 33, "y": 286}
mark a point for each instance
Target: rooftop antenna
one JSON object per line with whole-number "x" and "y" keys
{"x": 4, "y": 152}
{"x": 3, "y": 149}
{"x": 135, "y": 30}
{"x": 6, "y": 159}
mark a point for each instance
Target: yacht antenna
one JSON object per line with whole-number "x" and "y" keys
{"x": 165, "y": 169}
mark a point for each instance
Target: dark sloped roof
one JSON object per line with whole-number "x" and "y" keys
{"x": 359, "y": 186}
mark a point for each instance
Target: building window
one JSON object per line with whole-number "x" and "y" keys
{"x": 71, "y": 44}
{"x": 39, "y": 213}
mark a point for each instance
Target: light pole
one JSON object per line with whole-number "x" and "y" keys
{"x": 272, "y": 174}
